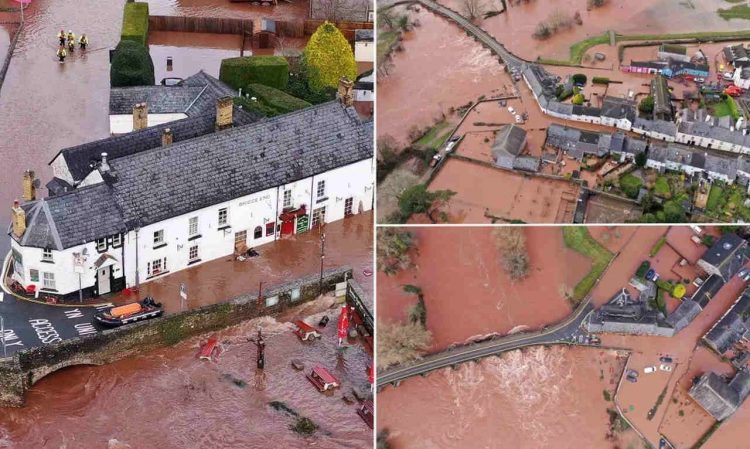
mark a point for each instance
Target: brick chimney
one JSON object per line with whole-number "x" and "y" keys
{"x": 224, "y": 113}
{"x": 140, "y": 116}
{"x": 166, "y": 137}
{"x": 346, "y": 91}
{"x": 18, "y": 217}
{"x": 29, "y": 191}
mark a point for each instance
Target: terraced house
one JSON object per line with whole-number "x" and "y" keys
{"x": 135, "y": 207}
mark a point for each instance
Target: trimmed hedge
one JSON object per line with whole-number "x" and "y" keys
{"x": 600, "y": 80}
{"x": 276, "y": 99}
{"x": 271, "y": 71}
{"x": 131, "y": 65}
{"x": 135, "y": 23}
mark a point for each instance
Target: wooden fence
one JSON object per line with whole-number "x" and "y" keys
{"x": 302, "y": 28}
{"x": 200, "y": 25}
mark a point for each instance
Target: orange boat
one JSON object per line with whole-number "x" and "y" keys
{"x": 322, "y": 379}
{"x": 129, "y": 313}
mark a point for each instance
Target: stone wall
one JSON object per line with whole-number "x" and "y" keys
{"x": 25, "y": 368}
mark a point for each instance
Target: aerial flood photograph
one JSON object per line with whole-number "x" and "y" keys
{"x": 580, "y": 111}
{"x": 607, "y": 337}
{"x": 189, "y": 194}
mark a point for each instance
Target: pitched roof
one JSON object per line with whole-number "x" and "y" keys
{"x": 82, "y": 159}
{"x": 511, "y": 139}
{"x": 154, "y": 185}
{"x": 727, "y": 254}
{"x": 363, "y": 35}
{"x": 715, "y": 396}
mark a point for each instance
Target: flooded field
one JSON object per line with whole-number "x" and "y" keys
{"x": 191, "y": 52}
{"x": 525, "y": 399}
{"x": 513, "y": 196}
{"x": 440, "y": 68}
{"x": 516, "y": 27}
{"x": 218, "y": 404}
{"x": 490, "y": 302}
{"x": 292, "y": 9}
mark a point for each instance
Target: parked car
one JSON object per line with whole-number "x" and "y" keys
{"x": 665, "y": 359}
{"x": 511, "y": 110}
{"x": 649, "y": 369}
{"x": 435, "y": 159}
{"x": 743, "y": 273}
{"x": 452, "y": 143}
{"x": 665, "y": 367}
{"x": 728, "y": 76}
{"x": 519, "y": 119}
{"x": 651, "y": 275}
{"x": 630, "y": 378}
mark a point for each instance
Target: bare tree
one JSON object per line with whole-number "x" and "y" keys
{"x": 473, "y": 9}
{"x": 399, "y": 343}
{"x": 393, "y": 249}
{"x": 511, "y": 241}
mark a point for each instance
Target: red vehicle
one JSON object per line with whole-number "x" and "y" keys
{"x": 208, "y": 349}
{"x": 733, "y": 91}
{"x": 305, "y": 332}
{"x": 365, "y": 412}
{"x": 322, "y": 379}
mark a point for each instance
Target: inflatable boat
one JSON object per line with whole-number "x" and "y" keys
{"x": 129, "y": 313}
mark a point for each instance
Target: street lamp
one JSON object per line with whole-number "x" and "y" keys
{"x": 322, "y": 256}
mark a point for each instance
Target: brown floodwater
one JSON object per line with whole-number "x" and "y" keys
{"x": 170, "y": 399}
{"x": 458, "y": 309}
{"x": 516, "y": 27}
{"x": 440, "y": 68}
{"x": 535, "y": 398}
{"x": 286, "y": 9}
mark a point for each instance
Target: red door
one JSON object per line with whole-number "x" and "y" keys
{"x": 287, "y": 227}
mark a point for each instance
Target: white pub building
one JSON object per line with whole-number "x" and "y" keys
{"x": 164, "y": 198}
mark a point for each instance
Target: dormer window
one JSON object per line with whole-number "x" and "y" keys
{"x": 117, "y": 240}
{"x": 47, "y": 255}
{"x": 101, "y": 244}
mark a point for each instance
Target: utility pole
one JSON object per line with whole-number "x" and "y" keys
{"x": 322, "y": 257}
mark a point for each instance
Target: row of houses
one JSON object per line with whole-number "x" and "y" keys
{"x": 713, "y": 134}
{"x": 177, "y": 191}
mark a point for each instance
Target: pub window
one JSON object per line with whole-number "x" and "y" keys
{"x": 258, "y": 233}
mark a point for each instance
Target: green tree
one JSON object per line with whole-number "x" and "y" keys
{"x": 418, "y": 200}
{"x": 417, "y": 312}
{"x": 646, "y": 105}
{"x": 131, "y": 65}
{"x": 641, "y": 159}
{"x": 328, "y": 56}
{"x": 578, "y": 99}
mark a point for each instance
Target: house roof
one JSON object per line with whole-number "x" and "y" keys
{"x": 363, "y": 36}
{"x": 683, "y": 314}
{"x": 708, "y": 290}
{"x": 727, "y": 254}
{"x": 731, "y": 328}
{"x": 715, "y": 396}
{"x": 164, "y": 182}
{"x": 82, "y": 159}
{"x": 195, "y": 95}
{"x": 510, "y": 139}
{"x": 618, "y": 108}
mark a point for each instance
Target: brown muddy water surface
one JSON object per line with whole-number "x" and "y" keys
{"x": 169, "y": 399}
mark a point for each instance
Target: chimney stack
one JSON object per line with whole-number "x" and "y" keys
{"x": 224, "y": 118}
{"x": 104, "y": 167}
{"x": 345, "y": 92}
{"x": 140, "y": 116}
{"x": 29, "y": 191}
{"x": 19, "y": 219}
{"x": 166, "y": 137}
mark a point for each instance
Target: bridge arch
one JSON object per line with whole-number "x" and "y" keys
{"x": 37, "y": 374}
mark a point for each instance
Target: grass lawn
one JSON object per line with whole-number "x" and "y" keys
{"x": 661, "y": 187}
{"x": 714, "y": 198}
{"x": 735, "y": 12}
{"x": 657, "y": 246}
{"x": 578, "y": 239}
{"x": 385, "y": 40}
{"x": 435, "y": 136}
{"x": 630, "y": 184}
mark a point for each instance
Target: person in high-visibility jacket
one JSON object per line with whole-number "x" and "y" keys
{"x": 71, "y": 36}
{"x": 83, "y": 41}
{"x": 62, "y": 36}
{"x": 62, "y": 53}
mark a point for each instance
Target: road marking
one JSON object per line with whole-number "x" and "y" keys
{"x": 104, "y": 306}
{"x": 10, "y": 336}
{"x": 45, "y": 331}
{"x": 75, "y": 313}
{"x": 85, "y": 329}
{"x": 2, "y": 296}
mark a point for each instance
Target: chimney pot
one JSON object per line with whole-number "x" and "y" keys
{"x": 224, "y": 113}
{"x": 18, "y": 217}
{"x": 104, "y": 165}
{"x": 346, "y": 91}
{"x": 29, "y": 191}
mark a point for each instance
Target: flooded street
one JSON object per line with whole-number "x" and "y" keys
{"x": 169, "y": 399}
{"x": 525, "y": 399}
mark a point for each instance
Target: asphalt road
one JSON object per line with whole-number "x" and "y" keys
{"x": 29, "y": 324}
{"x": 558, "y": 333}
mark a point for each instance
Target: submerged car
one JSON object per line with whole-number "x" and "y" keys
{"x": 649, "y": 369}
{"x": 665, "y": 367}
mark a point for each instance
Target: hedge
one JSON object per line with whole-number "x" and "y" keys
{"x": 131, "y": 65}
{"x": 600, "y": 80}
{"x": 254, "y": 106}
{"x": 135, "y": 23}
{"x": 276, "y": 99}
{"x": 271, "y": 71}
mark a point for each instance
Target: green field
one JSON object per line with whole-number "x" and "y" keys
{"x": 735, "y": 12}
{"x": 385, "y": 40}
{"x": 714, "y": 198}
{"x": 578, "y": 239}
{"x": 435, "y": 136}
{"x": 661, "y": 187}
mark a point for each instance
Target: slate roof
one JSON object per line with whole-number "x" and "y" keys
{"x": 708, "y": 290}
{"x": 634, "y": 146}
{"x": 659, "y": 126}
{"x": 618, "y": 108}
{"x": 732, "y": 327}
{"x": 624, "y": 315}
{"x": 715, "y": 396}
{"x": 728, "y": 254}
{"x": 82, "y": 159}
{"x": 194, "y": 96}
{"x": 73, "y": 218}
{"x": 169, "y": 181}
{"x": 578, "y": 142}
{"x": 683, "y": 155}
{"x": 684, "y": 314}
{"x": 511, "y": 139}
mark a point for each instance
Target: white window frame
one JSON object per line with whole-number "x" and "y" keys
{"x": 192, "y": 226}
{"x": 158, "y": 237}
{"x": 151, "y": 266}
{"x": 348, "y": 206}
{"x": 318, "y": 216}
{"x": 117, "y": 240}
{"x": 101, "y": 244}
{"x": 48, "y": 280}
{"x": 191, "y": 257}
{"x": 47, "y": 255}
{"x": 225, "y": 220}
{"x": 287, "y": 198}
{"x": 320, "y": 190}
{"x": 31, "y": 275}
